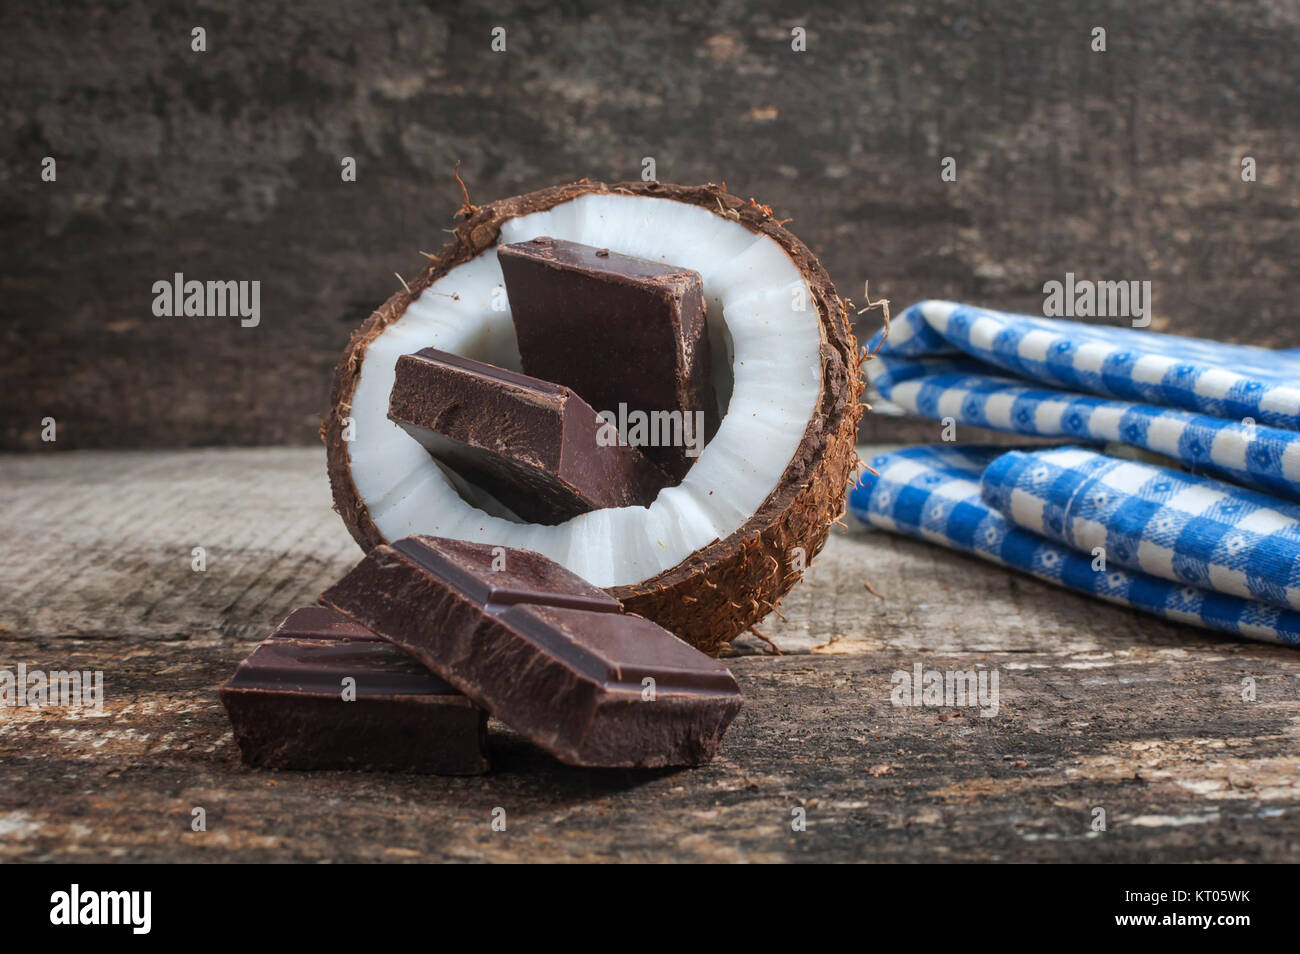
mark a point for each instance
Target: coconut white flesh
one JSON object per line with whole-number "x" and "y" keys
{"x": 758, "y": 305}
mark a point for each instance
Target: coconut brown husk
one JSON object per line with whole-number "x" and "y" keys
{"x": 721, "y": 590}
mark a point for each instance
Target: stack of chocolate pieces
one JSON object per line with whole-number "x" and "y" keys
{"x": 532, "y": 445}
{"x": 424, "y": 638}
{"x": 603, "y": 338}
{"x": 323, "y": 692}
{"x": 409, "y": 653}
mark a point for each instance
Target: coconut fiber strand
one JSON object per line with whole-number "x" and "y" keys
{"x": 1168, "y": 540}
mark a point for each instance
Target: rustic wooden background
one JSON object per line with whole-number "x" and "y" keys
{"x": 1100, "y": 707}
{"x": 225, "y": 165}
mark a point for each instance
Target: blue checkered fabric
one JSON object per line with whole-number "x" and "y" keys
{"x": 1175, "y": 543}
{"x": 1177, "y": 526}
{"x": 1168, "y": 537}
{"x": 1228, "y": 410}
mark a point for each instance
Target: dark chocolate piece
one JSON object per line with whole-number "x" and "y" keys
{"x": 536, "y": 447}
{"x": 618, "y": 330}
{"x": 286, "y": 704}
{"x": 553, "y": 657}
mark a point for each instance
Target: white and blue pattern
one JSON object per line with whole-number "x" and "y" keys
{"x": 1176, "y": 526}
{"x": 934, "y": 493}
{"x": 1176, "y": 544}
{"x": 1230, "y": 410}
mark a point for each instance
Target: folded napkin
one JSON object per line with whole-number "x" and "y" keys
{"x": 1174, "y": 543}
{"x": 1169, "y": 524}
{"x": 1230, "y": 410}
{"x": 966, "y": 496}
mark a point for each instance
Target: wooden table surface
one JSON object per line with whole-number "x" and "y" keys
{"x": 1099, "y": 707}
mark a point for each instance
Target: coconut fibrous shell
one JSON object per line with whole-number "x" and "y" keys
{"x": 722, "y": 589}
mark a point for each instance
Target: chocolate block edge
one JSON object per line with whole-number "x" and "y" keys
{"x": 290, "y": 732}
{"x": 531, "y": 444}
{"x": 584, "y": 709}
{"x": 403, "y": 718}
{"x": 655, "y": 358}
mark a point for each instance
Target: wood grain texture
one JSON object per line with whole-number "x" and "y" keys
{"x": 225, "y": 165}
{"x": 1099, "y": 707}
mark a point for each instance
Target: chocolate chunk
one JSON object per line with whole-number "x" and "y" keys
{"x": 553, "y": 657}
{"x": 536, "y": 447}
{"x": 618, "y": 330}
{"x": 286, "y": 704}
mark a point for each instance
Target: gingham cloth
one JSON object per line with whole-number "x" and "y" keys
{"x": 1173, "y": 525}
{"x": 1229, "y": 410}
{"x": 1172, "y": 543}
{"x": 934, "y": 493}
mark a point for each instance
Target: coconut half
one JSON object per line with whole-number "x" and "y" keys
{"x": 711, "y": 556}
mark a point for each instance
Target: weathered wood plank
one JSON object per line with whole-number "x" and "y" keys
{"x": 114, "y": 533}
{"x": 1158, "y": 738}
{"x": 1098, "y": 707}
{"x": 1122, "y": 165}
